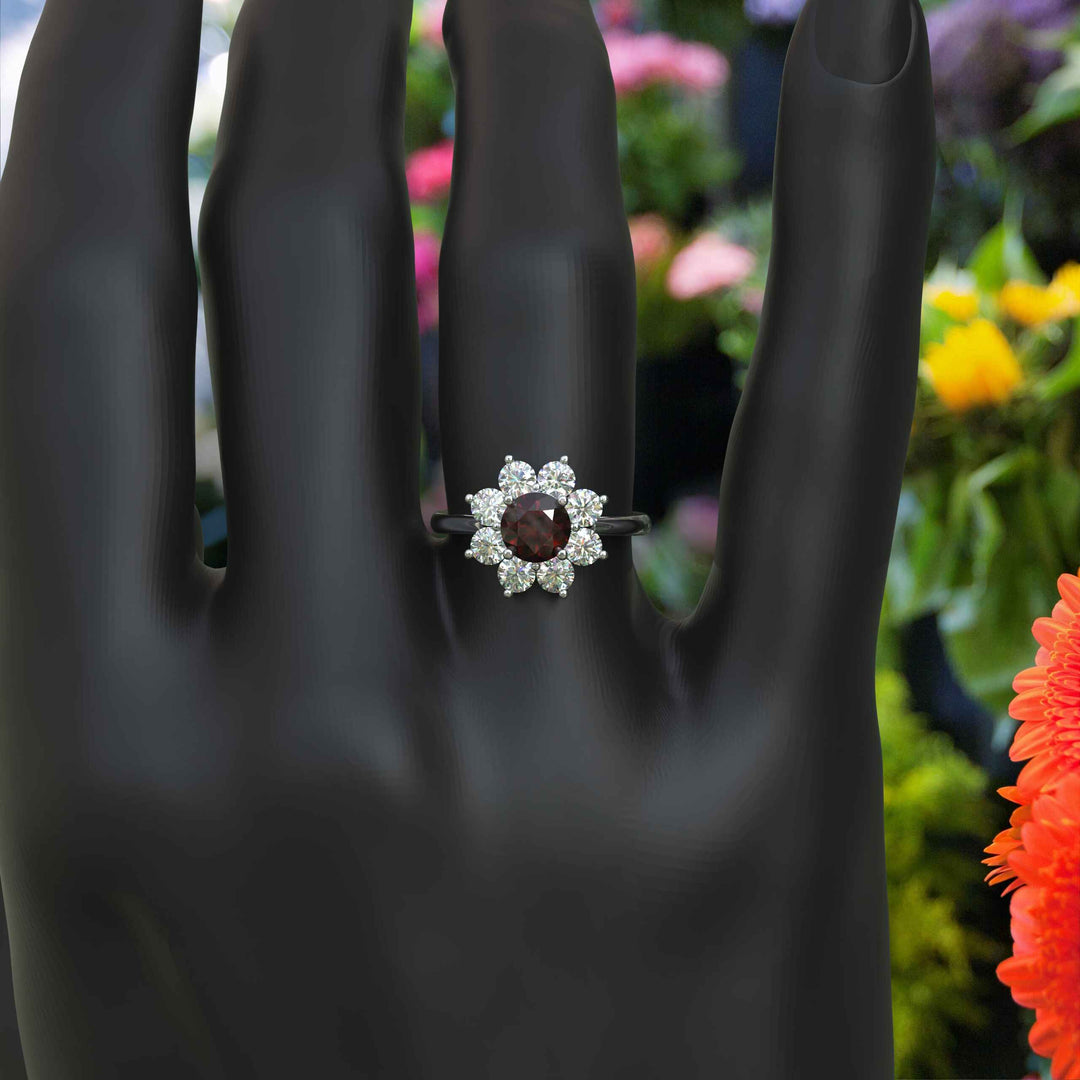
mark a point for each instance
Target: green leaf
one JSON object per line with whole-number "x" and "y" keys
{"x": 1065, "y": 376}
{"x": 988, "y": 534}
{"x": 934, "y": 325}
{"x": 1056, "y": 101}
{"x": 987, "y": 626}
{"x": 1002, "y": 255}
{"x": 1063, "y": 503}
{"x": 1005, "y": 466}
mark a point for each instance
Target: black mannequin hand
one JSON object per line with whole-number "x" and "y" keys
{"x": 345, "y": 810}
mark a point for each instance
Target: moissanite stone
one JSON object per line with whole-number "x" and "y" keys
{"x": 487, "y": 547}
{"x": 584, "y": 507}
{"x": 556, "y": 576}
{"x": 584, "y": 547}
{"x": 557, "y": 479}
{"x": 516, "y": 478}
{"x": 487, "y": 506}
{"x": 535, "y": 527}
{"x": 515, "y": 576}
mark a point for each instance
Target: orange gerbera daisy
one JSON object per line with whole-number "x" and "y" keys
{"x": 1044, "y": 970}
{"x": 1047, "y": 704}
{"x": 1007, "y": 841}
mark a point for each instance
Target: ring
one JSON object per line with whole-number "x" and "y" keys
{"x": 537, "y": 527}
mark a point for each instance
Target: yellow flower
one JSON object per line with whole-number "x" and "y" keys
{"x": 1067, "y": 279}
{"x": 958, "y": 303}
{"x": 1034, "y": 305}
{"x": 974, "y": 365}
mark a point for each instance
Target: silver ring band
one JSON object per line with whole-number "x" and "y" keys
{"x": 466, "y": 525}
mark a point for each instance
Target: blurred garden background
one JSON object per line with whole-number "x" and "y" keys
{"x": 990, "y": 511}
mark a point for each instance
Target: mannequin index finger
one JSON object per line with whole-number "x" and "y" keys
{"x": 812, "y": 477}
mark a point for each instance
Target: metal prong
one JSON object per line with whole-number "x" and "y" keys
{"x": 603, "y": 554}
{"x": 507, "y": 592}
{"x": 562, "y": 593}
{"x": 508, "y": 458}
{"x": 603, "y": 499}
{"x": 469, "y": 498}
{"x": 468, "y": 553}
{"x": 562, "y": 554}
{"x": 564, "y": 459}
{"x": 508, "y": 501}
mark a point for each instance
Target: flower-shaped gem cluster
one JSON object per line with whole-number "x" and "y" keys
{"x": 536, "y": 527}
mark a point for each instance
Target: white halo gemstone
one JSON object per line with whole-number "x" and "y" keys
{"x": 584, "y": 547}
{"x": 557, "y": 479}
{"x": 556, "y": 575}
{"x": 584, "y": 507}
{"x": 487, "y": 547}
{"x": 487, "y": 506}
{"x": 516, "y": 478}
{"x": 516, "y": 575}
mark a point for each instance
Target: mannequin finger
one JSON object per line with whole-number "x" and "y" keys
{"x": 811, "y": 483}
{"x": 537, "y": 279}
{"x": 306, "y": 247}
{"x": 98, "y": 315}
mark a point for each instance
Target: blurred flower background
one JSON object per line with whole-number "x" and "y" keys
{"x": 990, "y": 511}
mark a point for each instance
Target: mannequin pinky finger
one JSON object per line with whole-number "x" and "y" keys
{"x": 97, "y": 319}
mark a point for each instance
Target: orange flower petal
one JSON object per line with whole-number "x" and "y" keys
{"x": 1036, "y": 774}
{"x": 1030, "y": 704}
{"x": 1030, "y": 740}
{"x": 1044, "y": 1035}
{"x": 1069, "y": 588}
{"x": 1030, "y": 679}
{"x": 1063, "y": 1063}
{"x": 1046, "y": 631}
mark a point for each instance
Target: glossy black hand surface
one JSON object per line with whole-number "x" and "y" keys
{"x": 344, "y": 810}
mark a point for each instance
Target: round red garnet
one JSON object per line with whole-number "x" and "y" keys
{"x": 535, "y": 527}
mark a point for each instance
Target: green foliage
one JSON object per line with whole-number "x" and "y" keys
{"x": 934, "y": 804}
{"x": 429, "y": 96}
{"x": 983, "y": 546}
{"x": 990, "y": 513}
{"x": 1002, "y": 255}
{"x": 668, "y": 156}
{"x": 672, "y": 573}
{"x": 720, "y": 22}
{"x": 1057, "y": 98}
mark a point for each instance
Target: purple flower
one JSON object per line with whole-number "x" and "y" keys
{"x": 983, "y": 59}
{"x": 773, "y": 12}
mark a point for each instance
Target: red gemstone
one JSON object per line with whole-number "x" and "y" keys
{"x": 535, "y": 527}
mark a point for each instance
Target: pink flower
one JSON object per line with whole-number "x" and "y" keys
{"x": 426, "y": 252}
{"x": 613, "y": 13}
{"x": 434, "y": 499}
{"x": 427, "y": 172}
{"x": 641, "y": 60}
{"x": 753, "y": 300}
{"x": 429, "y": 22}
{"x": 651, "y": 239}
{"x": 706, "y": 264}
{"x": 695, "y": 520}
